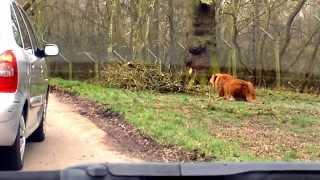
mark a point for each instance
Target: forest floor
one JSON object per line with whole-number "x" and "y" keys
{"x": 281, "y": 125}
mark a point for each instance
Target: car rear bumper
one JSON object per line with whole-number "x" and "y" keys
{"x": 10, "y": 113}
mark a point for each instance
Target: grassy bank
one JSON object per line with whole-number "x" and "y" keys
{"x": 280, "y": 126}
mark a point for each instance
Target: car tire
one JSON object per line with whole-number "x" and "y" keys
{"x": 39, "y": 134}
{"x": 12, "y": 157}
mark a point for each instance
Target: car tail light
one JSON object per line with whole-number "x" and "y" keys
{"x": 8, "y": 72}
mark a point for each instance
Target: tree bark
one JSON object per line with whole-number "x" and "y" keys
{"x": 156, "y": 29}
{"x": 220, "y": 32}
{"x": 262, "y": 50}
{"x": 254, "y": 41}
{"x": 201, "y": 36}
{"x": 110, "y": 33}
{"x": 289, "y": 26}
{"x": 277, "y": 60}
{"x": 172, "y": 35}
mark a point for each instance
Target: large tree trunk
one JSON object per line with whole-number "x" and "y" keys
{"x": 201, "y": 41}
{"x": 201, "y": 36}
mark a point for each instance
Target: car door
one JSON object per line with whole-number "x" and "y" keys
{"x": 43, "y": 81}
{"x": 34, "y": 71}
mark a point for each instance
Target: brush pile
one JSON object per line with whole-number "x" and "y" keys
{"x": 140, "y": 76}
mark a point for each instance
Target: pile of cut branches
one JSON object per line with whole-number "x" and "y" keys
{"x": 140, "y": 76}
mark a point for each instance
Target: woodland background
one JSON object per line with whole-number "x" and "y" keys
{"x": 270, "y": 42}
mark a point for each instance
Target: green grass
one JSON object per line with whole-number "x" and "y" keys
{"x": 229, "y": 131}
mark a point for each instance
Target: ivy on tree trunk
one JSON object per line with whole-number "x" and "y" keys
{"x": 201, "y": 35}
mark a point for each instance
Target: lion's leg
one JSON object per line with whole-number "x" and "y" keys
{"x": 221, "y": 93}
{"x": 228, "y": 95}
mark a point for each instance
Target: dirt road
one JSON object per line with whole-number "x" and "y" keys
{"x": 71, "y": 140}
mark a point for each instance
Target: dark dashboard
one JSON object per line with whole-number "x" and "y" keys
{"x": 218, "y": 171}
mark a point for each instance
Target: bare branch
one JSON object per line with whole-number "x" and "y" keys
{"x": 302, "y": 50}
{"x": 289, "y": 25}
{"x": 227, "y": 43}
{"x": 123, "y": 60}
{"x": 27, "y": 5}
{"x": 266, "y": 32}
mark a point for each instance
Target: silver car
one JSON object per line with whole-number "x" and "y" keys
{"x": 23, "y": 85}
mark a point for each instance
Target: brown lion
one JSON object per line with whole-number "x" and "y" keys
{"x": 233, "y": 89}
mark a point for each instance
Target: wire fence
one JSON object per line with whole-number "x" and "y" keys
{"x": 86, "y": 64}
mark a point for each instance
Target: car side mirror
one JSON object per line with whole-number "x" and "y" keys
{"x": 51, "y": 50}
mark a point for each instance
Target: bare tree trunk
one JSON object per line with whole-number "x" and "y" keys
{"x": 254, "y": 41}
{"x": 117, "y": 28}
{"x": 172, "y": 33}
{"x": 156, "y": 28}
{"x": 132, "y": 30}
{"x": 234, "y": 55}
{"x": 263, "y": 41}
{"x": 277, "y": 60}
{"x": 110, "y": 35}
{"x": 310, "y": 66}
{"x": 131, "y": 36}
{"x": 235, "y": 52}
{"x": 302, "y": 50}
{"x": 220, "y": 31}
{"x": 288, "y": 27}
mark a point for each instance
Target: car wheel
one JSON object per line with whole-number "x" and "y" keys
{"x": 12, "y": 157}
{"x": 39, "y": 134}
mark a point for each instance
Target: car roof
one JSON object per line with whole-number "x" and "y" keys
{"x": 4, "y": 7}
{"x": 5, "y": 21}
{"x": 5, "y": 10}
{"x": 4, "y": 2}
